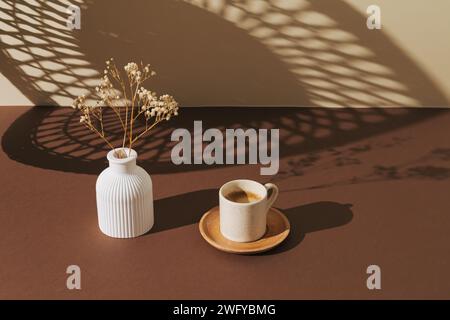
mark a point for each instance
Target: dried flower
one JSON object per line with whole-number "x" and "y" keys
{"x": 143, "y": 102}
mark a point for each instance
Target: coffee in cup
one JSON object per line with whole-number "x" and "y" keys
{"x": 242, "y": 196}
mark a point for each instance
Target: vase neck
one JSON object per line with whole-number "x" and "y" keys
{"x": 122, "y": 165}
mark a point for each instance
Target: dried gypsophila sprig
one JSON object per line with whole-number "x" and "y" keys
{"x": 128, "y": 103}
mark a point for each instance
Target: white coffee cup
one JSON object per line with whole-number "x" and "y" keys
{"x": 245, "y": 222}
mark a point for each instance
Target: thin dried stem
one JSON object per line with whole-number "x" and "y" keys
{"x": 93, "y": 128}
{"x": 147, "y": 129}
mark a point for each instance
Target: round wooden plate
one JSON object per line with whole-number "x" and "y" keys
{"x": 278, "y": 228}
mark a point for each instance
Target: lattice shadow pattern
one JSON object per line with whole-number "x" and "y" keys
{"x": 291, "y": 52}
{"x": 52, "y": 138}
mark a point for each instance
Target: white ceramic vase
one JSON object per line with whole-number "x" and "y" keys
{"x": 124, "y": 197}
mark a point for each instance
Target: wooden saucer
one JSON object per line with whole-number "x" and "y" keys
{"x": 278, "y": 228}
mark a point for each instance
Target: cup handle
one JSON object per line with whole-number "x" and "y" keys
{"x": 273, "y": 195}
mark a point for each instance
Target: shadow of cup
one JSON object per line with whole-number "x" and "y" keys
{"x": 172, "y": 212}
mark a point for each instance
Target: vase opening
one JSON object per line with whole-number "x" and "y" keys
{"x": 120, "y": 154}
{"x": 122, "y": 164}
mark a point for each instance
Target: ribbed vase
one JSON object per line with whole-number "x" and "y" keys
{"x": 124, "y": 197}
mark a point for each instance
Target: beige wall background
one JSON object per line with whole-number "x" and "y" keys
{"x": 420, "y": 28}
{"x": 277, "y": 52}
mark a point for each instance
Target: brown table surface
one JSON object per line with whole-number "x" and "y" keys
{"x": 360, "y": 187}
